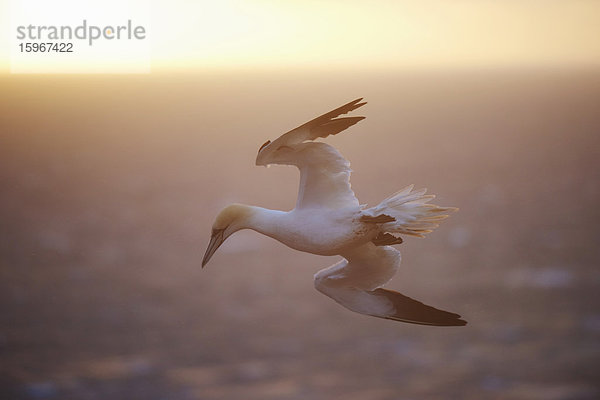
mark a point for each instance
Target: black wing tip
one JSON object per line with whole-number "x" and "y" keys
{"x": 355, "y": 104}
{"x": 414, "y": 312}
{"x": 348, "y": 120}
{"x": 351, "y": 106}
{"x": 451, "y": 322}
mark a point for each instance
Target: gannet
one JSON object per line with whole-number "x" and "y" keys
{"x": 328, "y": 220}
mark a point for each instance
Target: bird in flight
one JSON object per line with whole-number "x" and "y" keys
{"x": 329, "y": 220}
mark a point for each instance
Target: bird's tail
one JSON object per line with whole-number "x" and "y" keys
{"x": 411, "y": 212}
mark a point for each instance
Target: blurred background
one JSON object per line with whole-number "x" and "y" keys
{"x": 109, "y": 185}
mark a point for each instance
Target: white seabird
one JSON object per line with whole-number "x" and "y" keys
{"x": 328, "y": 220}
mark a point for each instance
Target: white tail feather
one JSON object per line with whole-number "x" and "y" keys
{"x": 413, "y": 215}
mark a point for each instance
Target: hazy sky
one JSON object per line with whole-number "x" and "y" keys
{"x": 361, "y": 34}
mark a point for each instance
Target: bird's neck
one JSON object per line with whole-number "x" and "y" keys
{"x": 265, "y": 221}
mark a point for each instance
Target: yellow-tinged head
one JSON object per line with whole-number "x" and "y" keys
{"x": 230, "y": 220}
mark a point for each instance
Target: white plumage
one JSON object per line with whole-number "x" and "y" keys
{"x": 328, "y": 220}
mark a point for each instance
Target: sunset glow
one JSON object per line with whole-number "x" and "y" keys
{"x": 385, "y": 34}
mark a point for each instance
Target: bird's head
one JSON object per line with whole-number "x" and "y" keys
{"x": 230, "y": 220}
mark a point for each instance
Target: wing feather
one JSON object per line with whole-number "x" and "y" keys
{"x": 356, "y": 281}
{"x": 320, "y": 127}
{"x": 324, "y": 172}
{"x": 324, "y": 177}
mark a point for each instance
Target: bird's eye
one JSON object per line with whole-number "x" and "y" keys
{"x": 264, "y": 145}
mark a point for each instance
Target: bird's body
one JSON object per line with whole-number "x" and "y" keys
{"x": 313, "y": 231}
{"x": 329, "y": 220}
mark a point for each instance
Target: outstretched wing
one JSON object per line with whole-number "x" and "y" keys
{"x": 323, "y": 126}
{"x": 355, "y": 284}
{"x": 324, "y": 172}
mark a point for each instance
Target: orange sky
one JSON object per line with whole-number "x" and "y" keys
{"x": 358, "y": 34}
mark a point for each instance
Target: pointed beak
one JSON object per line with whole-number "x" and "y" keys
{"x": 216, "y": 240}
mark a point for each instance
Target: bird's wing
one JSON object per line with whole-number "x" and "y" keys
{"x": 356, "y": 281}
{"x": 324, "y": 177}
{"x": 323, "y": 126}
{"x": 324, "y": 172}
